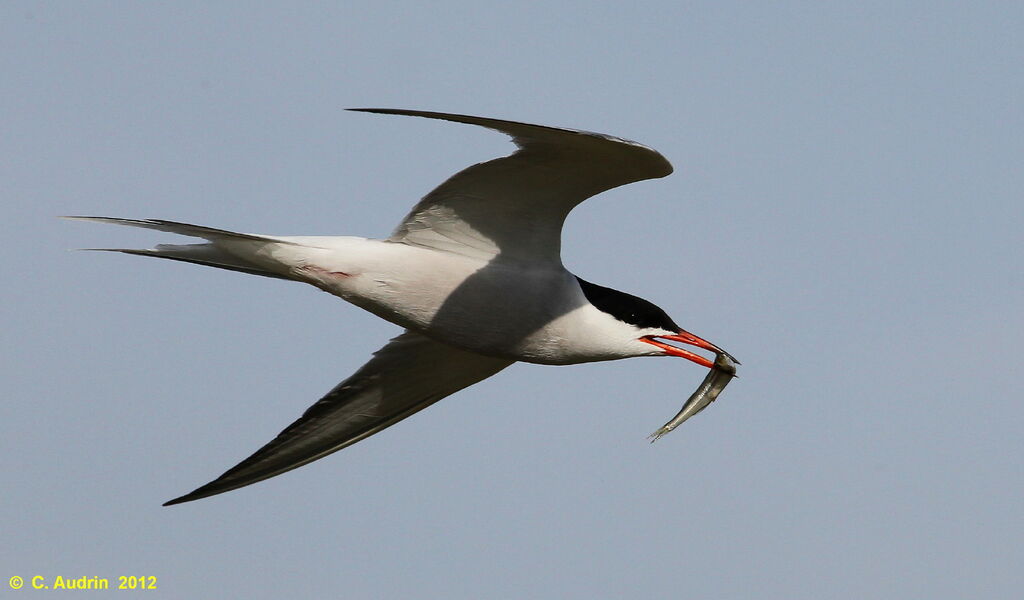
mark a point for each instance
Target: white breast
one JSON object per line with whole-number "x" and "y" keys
{"x": 495, "y": 307}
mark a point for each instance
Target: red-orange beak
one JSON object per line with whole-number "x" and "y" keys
{"x": 685, "y": 337}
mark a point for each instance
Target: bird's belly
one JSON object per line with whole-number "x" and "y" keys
{"x": 486, "y": 307}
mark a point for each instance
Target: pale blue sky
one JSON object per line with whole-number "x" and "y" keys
{"x": 845, "y": 218}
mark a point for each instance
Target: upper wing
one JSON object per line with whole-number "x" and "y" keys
{"x": 515, "y": 205}
{"x": 407, "y": 375}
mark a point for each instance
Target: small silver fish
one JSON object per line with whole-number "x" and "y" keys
{"x": 717, "y": 378}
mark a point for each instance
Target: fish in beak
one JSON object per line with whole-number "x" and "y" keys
{"x": 720, "y": 373}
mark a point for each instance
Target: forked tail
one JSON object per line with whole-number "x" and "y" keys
{"x": 243, "y": 252}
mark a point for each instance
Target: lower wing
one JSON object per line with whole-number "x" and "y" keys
{"x": 407, "y": 375}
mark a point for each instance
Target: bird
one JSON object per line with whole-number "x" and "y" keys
{"x": 473, "y": 274}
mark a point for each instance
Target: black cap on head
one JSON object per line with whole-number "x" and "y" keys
{"x": 627, "y": 307}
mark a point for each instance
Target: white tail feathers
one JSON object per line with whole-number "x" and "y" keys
{"x": 209, "y": 233}
{"x": 229, "y": 250}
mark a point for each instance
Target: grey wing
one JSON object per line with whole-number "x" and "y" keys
{"x": 516, "y": 205}
{"x": 407, "y": 375}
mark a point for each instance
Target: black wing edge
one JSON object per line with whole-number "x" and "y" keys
{"x": 521, "y": 131}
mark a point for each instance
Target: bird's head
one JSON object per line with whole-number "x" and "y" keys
{"x": 650, "y": 327}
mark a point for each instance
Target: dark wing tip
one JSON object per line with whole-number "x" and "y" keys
{"x": 196, "y": 494}
{"x": 376, "y": 110}
{"x": 652, "y": 163}
{"x": 429, "y": 114}
{"x": 238, "y": 477}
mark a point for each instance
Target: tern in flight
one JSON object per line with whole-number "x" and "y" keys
{"x": 474, "y": 275}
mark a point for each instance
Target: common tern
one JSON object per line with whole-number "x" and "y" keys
{"x": 474, "y": 275}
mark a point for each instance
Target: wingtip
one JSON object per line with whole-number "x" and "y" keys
{"x": 430, "y": 114}
{"x": 213, "y": 488}
{"x": 404, "y": 112}
{"x": 195, "y": 494}
{"x": 109, "y": 220}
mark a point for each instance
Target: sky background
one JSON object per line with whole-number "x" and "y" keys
{"x": 845, "y": 218}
